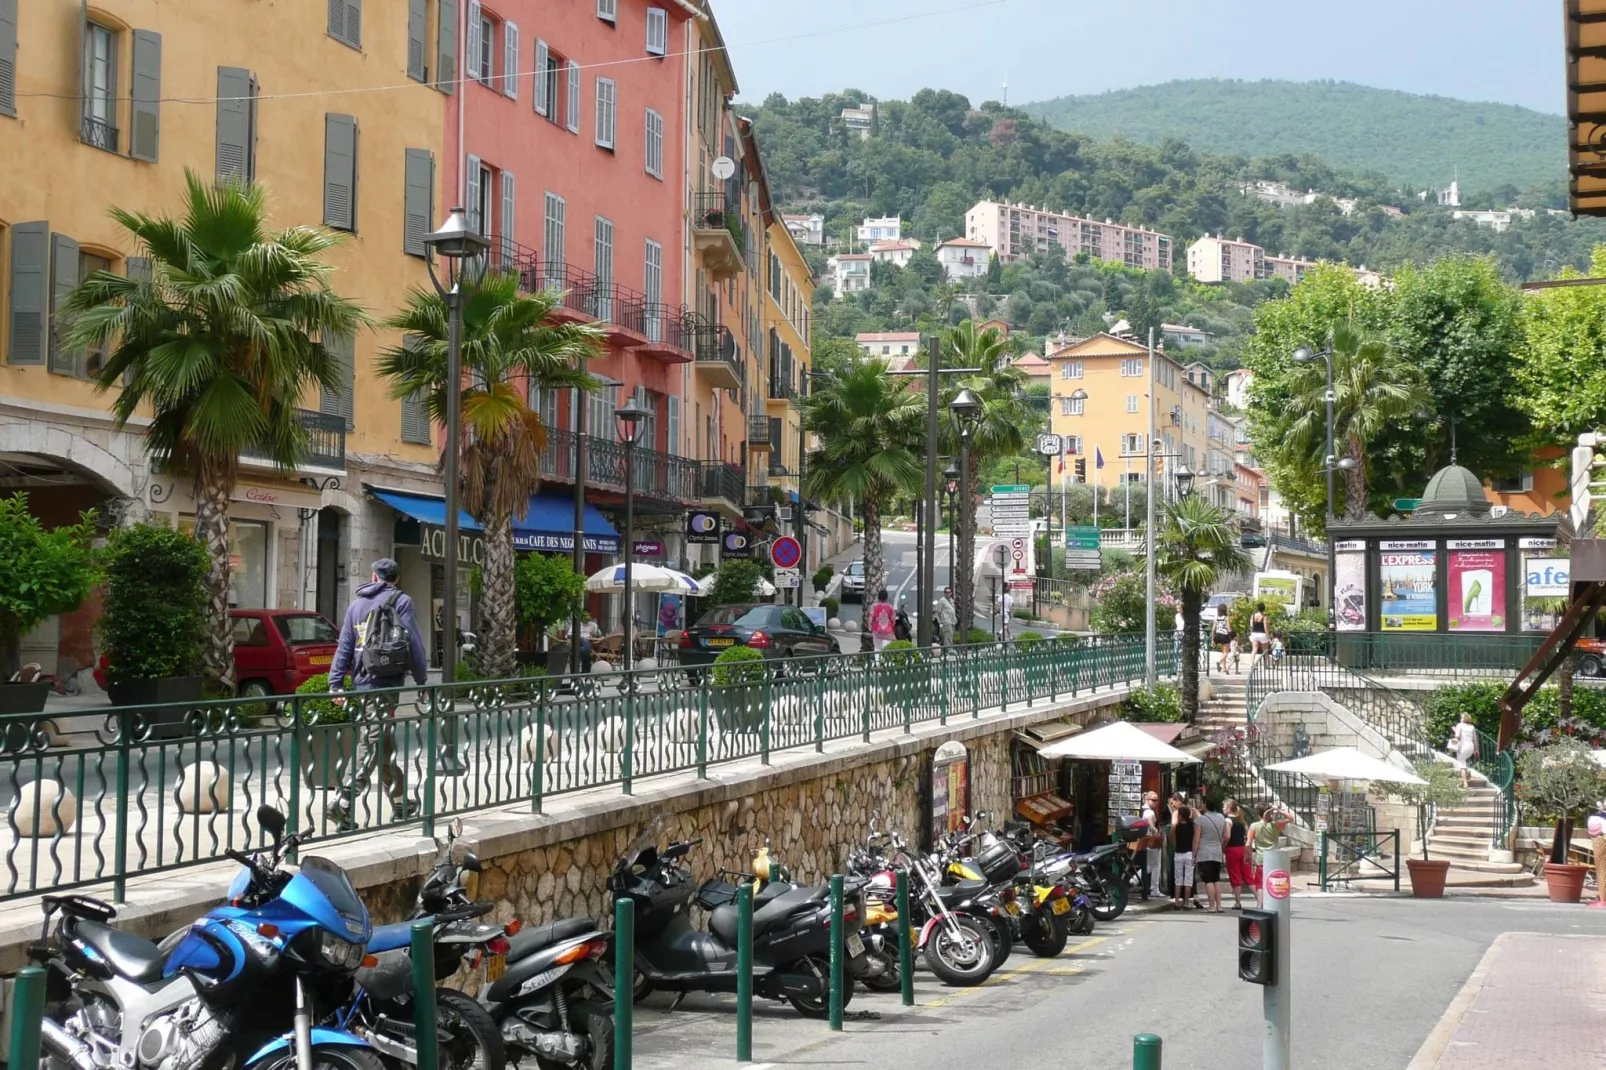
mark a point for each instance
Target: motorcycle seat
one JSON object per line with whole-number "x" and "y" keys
{"x": 130, "y": 956}
{"x": 529, "y": 941}
{"x": 391, "y": 937}
{"x": 958, "y": 893}
{"x": 722, "y": 923}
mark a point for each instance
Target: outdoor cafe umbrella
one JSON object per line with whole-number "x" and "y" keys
{"x": 1346, "y": 763}
{"x": 643, "y": 578}
{"x": 1117, "y": 742}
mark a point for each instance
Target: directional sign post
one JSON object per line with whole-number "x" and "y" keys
{"x": 1081, "y": 538}
{"x": 1012, "y": 510}
{"x": 786, "y": 578}
{"x": 1406, "y": 505}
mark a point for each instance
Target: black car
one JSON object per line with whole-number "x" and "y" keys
{"x": 775, "y": 631}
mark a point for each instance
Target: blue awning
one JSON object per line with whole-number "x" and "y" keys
{"x": 547, "y": 524}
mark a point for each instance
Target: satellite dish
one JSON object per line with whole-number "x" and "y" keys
{"x": 723, "y": 168}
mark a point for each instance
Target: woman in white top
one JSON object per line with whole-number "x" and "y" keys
{"x": 1464, "y": 747}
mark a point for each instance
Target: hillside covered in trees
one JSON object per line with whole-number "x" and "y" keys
{"x": 1417, "y": 141}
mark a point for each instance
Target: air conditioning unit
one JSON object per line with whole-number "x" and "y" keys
{"x": 1498, "y": 511}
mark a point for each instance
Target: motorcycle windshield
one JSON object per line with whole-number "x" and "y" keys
{"x": 324, "y": 893}
{"x": 646, "y": 841}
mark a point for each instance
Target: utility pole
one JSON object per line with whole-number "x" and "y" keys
{"x": 1148, "y": 533}
{"x": 928, "y": 507}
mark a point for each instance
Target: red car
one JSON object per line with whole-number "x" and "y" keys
{"x": 278, "y": 650}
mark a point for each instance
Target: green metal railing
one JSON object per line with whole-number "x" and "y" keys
{"x": 1353, "y": 852}
{"x": 140, "y": 790}
{"x": 1455, "y": 654}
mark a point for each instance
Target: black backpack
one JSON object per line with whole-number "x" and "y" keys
{"x": 387, "y": 648}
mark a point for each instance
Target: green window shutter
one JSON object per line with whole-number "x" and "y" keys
{"x": 419, "y": 203}
{"x": 415, "y": 40}
{"x": 354, "y": 23}
{"x": 415, "y": 420}
{"x": 8, "y": 57}
{"x": 139, "y": 268}
{"x": 29, "y": 298}
{"x": 145, "y": 137}
{"x": 63, "y": 280}
{"x": 340, "y": 172}
{"x": 337, "y": 19}
{"x": 446, "y": 51}
{"x": 233, "y": 125}
{"x": 338, "y": 402}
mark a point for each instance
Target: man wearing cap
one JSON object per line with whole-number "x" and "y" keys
{"x": 376, "y": 743}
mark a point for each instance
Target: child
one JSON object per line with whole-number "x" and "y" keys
{"x": 1231, "y": 657}
{"x": 1277, "y": 648}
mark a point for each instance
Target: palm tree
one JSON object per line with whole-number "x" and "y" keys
{"x": 1372, "y": 387}
{"x": 508, "y": 349}
{"x": 871, "y": 428}
{"x": 999, "y": 431}
{"x": 219, "y": 345}
{"x": 1196, "y": 549}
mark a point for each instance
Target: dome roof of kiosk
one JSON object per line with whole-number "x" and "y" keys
{"x": 1454, "y": 489}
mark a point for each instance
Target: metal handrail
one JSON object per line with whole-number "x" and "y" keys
{"x": 325, "y": 441}
{"x": 724, "y": 481}
{"x": 657, "y": 474}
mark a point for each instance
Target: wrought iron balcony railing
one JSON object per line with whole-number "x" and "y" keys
{"x": 656, "y": 475}
{"x": 101, "y": 135}
{"x": 326, "y": 441}
{"x": 724, "y": 481}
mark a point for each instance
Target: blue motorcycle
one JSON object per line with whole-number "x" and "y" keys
{"x": 220, "y": 993}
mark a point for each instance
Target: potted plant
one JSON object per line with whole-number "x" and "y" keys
{"x": 737, "y": 693}
{"x": 548, "y": 591}
{"x": 152, "y": 624}
{"x": 42, "y": 572}
{"x": 329, "y": 739}
{"x": 1440, "y": 787}
{"x": 1560, "y": 779}
{"x": 903, "y": 673}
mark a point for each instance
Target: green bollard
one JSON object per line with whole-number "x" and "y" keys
{"x": 837, "y": 952}
{"x": 906, "y": 942}
{"x": 27, "y": 1012}
{"x": 744, "y": 973}
{"x": 1145, "y": 1052}
{"x": 624, "y": 981}
{"x": 423, "y": 952}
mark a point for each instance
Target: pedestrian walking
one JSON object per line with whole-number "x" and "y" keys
{"x": 1006, "y": 603}
{"x": 882, "y": 621}
{"x": 1221, "y": 637}
{"x": 1259, "y": 633}
{"x": 1212, "y": 853}
{"x": 1184, "y": 842}
{"x": 947, "y": 616}
{"x": 1464, "y": 747}
{"x": 1154, "y": 844}
{"x": 381, "y": 645}
{"x": 1597, "y": 840}
{"x": 1237, "y": 852}
{"x": 1263, "y": 836}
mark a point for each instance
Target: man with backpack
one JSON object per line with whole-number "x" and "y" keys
{"x": 380, "y": 645}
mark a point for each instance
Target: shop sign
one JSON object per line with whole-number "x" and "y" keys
{"x": 471, "y": 544}
{"x": 737, "y": 545}
{"x": 702, "y": 528}
{"x": 288, "y": 497}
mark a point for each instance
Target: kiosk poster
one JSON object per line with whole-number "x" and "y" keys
{"x": 1408, "y": 601}
{"x": 1477, "y": 591}
{"x": 1351, "y": 584}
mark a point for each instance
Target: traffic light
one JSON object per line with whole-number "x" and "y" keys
{"x": 1081, "y": 469}
{"x": 1257, "y": 946}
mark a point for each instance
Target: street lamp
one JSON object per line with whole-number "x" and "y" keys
{"x": 1304, "y": 355}
{"x": 630, "y": 416}
{"x": 1184, "y": 479}
{"x": 950, "y": 477}
{"x": 457, "y": 243}
{"x": 966, "y": 408}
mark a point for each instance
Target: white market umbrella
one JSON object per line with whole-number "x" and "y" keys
{"x": 694, "y": 589}
{"x": 1117, "y": 742}
{"x": 642, "y": 578}
{"x": 765, "y": 588}
{"x": 1346, "y": 763}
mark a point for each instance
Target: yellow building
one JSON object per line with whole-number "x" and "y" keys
{"x": 110, "y": 107}
{"x": 1111, "y": 418}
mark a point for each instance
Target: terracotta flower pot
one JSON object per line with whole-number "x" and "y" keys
{"x": 1427, "y": 877}
{"x": 1565, "y": 882}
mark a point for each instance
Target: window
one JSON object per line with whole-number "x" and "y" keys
{"x": 1073, "y": 444}
{"x": 8, "y": 57}
{"x": 573, "y": 122}
{"x": 653, "y": 288}
{"x": 340, "y": 172}
{"x": 1131, "y": 445}
{"x": 480, "y": 191}
{"x": 607, "y": 98}
{"x": 99, "y": 122}
{"x": 608, "y": 10}
{"x": 342, "y": 354}
{"x": 657, "y": 31}
{"x": 415, "y": 41}
{"x": 88, "y": 264}
{"x": 603, "y": 250}
{"x": 601, "y": 404}
{"x": 345, "y": 22}
{"x": 1132, "y": 367}
{"x": 655, "y": 144}
{"x": 508, "y": 199}
{"x": 1131, "y": 403}
{"x": 546, "y": 81}
{"x": 510, "y": 59}
{"x": 236, "y": 125}
{"x": 552, "y": 240}
{"x": 446, "y": 46}
{"x": 418, "y": 181}
{"x": 414, "y": 412}
{"x": 1072, "y": 406}
{"x": 481, "y": 45}
{"x": 1515, "y": 485}
{"x": 1071, "y": 369}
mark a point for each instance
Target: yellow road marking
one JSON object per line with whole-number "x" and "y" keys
{"x": 1031, "y": 967}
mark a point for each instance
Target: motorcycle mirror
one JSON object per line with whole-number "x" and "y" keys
{"x": 456, "y": 829}
{"x": 471, "y": 862}
{"x": 271, "y": 821}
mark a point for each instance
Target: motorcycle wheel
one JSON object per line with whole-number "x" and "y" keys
{"x": 340, "y": 1058}
{"x": 476, "y": 1040}
{"x": 1084, "y": 922}
{"x": 1003, "y": 939}
{"x": 599, "y": 1031}
{"x": 821, "y": 969}
{"x": 1111, "y": 904}
{"x": 963, "y": 958}
{"x": 1045, "y": 934}
{"x": 889, "y": 979}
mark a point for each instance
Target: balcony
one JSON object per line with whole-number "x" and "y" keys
{"x": 98, "y": 134}
{"x": 325, "y": 442}
{"x": 657, "y": 476}
{"x": 723, "y": 487}
{"x": 717, "y": 234}
{"x": 759, "y": 430}
{"x": 782, "y": 390}
{"x": 718, "y": 357}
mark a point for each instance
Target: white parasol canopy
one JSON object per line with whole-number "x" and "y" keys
{"x": 1346, "y": 763}
{"x": 1117, "y": 742}
{"x": 642, "y": 578}
{"x": 764, "y": 587}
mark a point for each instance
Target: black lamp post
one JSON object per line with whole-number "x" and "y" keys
{"x": 630, "y": 416}
{"x": 1330, "y": 463}
{"x": 950, "y": 476}
{"x": 461, "y": 247}
{"x": 1184, "y": 479}
{"x": 966, "y": 408}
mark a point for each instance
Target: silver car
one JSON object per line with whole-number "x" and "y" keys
{"x": 853, "y": 582}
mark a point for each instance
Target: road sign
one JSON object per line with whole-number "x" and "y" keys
{"x": 785, "y": 552}
{"x": 1050, "y": 445}
{"x": 1008, "y": 488}
{"x": 1022, "y": 585}
{"x": 1082, "y": 538}
{"x": 1084, "y": 560}
{"x": 787, "y": 577}
{"x": 1406, "y": 505}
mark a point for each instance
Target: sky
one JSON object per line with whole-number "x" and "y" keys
{"x": 1501, "y": 50}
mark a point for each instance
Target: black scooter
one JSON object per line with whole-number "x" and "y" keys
{"x": 791, "y": 931}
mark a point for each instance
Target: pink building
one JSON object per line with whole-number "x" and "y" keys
{"x": 1217, "y": 259}
{"x": 1013, "y": 231}
{"x": 1288, "y": 267}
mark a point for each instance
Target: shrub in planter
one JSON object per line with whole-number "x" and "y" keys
{"x": 902, "y": 670}
{"x": 329, "y": 739}
{"x": 547, "y": 589}
{"x": 42, "y": 572}
{"x": 736, "y": 692}
{"x": 831, "y": 606}
{"x": 977, "y": 635}
{"x": 152, "y": 623}
{"x": 1028, "y": 638}
{"x": 736, "y": 582}
{"x": 1563, "y": 779}
{"x": 822, "y": 577}
{"x": 1441, "y": 787}
{"x": 1161, "y": 704}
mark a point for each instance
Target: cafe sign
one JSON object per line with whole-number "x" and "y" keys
{"x": 471, "y": 544}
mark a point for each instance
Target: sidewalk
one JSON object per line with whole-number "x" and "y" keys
{"x": 1534, "y": 1000}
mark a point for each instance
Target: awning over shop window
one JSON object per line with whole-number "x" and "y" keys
{"x": 1039, "y": 736}
{"x": 547, "y": 524}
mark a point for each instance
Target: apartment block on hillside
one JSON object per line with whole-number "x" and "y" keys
{"x": 1013, "y": 231}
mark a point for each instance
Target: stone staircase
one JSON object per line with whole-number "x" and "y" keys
{"x": 1463, "y": 834}
{"x": 1225, "y": 706}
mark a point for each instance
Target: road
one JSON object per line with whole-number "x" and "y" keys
{"x": 1371, "y": 979}
{"x": 898, "y": 549}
